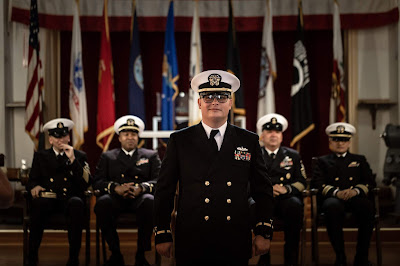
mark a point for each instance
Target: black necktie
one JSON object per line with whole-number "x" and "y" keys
{"x": 59, "y": 158}
{"x": 272, "y": 156}
{"x": 128, "y": 155}
{"x": 213, "y": 142}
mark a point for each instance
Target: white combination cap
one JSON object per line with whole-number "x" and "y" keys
{"x": 215, "y": 80}
{"x": 129, "y": 123}
{"x": 272, "y": 121}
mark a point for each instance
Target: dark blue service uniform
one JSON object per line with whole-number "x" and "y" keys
{"x": 333, "y": 173}
{"x": 115, "y": 168}
{"x": 286, "y": 169}
{"x": 213, "y": 222}
{"x": 68, "y": 182}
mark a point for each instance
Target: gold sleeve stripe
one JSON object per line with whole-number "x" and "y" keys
{"x": 264, "y": 223}
{"x": 86, "y": 172}
{"x": 163, "y": 232}
{"x": 300, "y": 187}
{"x": 363, "y": 187}
{"x": 108, "y": 187}
{"x": 326, "y": 189}
{"x": 303, "y": 170}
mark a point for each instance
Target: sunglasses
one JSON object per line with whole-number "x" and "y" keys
{"x": 221, "y": 98}
{"x": 340, "y": 139}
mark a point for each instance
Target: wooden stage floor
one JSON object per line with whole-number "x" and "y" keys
{"x": 54, "y": 249}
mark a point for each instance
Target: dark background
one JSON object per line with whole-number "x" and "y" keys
{"x": 319, "y": 49}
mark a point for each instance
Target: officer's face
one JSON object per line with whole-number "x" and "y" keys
{"x": 129, "y": 140}
{"x": 57, "y": 142}
{"x": 272, "y": 139}
{"x": 215, "y": 112}
{"x": 339, "y": 147}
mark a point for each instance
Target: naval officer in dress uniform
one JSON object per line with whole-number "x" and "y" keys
{"x": 57, "y": 182}
{"x": 126, "y": 178}
{"x": 213, "y": 162}
{"x": 343, "y": 181}
{"x": 287, "y": 173}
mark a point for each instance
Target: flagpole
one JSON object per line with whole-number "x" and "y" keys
{"x": 301, "y": 12}
{"x": 132, "y": 18}
{"x": 232, "y": 112}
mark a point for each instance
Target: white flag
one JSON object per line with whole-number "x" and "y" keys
{"x": 77, "y": 92}
{"x": 266, "y": 97}
{"x": 196, "y": 66}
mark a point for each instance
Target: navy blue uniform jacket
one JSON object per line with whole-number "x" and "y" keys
{"x": 213, "y": 214}
{"x": 116, "y": 168}
{"x": 352, "y": 171}
{"x": 59, "y": 176}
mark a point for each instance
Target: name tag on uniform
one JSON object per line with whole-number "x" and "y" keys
{"x": 286, "y": 163}
{"x": 142, "y": 161}
{"x": 354, "y": 164}
{"x": 242, "y": 154}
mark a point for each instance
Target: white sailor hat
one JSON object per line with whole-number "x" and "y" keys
{"x": 129, "y": 123}
{"x": 340, "y": 130}
{"x": 58, "y": 127}
{"x": 215, "y": 80}
{"x": 272, "y": 121}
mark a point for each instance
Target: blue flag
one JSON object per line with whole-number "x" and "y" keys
{"x": 136, "y": 105}
{"x": 170, "y": 75}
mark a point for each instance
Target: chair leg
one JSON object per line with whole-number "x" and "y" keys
{"x": 378, "y": 243}
{"x": 303, "y": 235}
{"x": 268, "y": 258}
{"x": 87, "y": 255}
{"x": 97, "y": 245}
{"x": 314, "y": 232}
{"x": 103, "y": 247}
{"x": 25, "y": 243}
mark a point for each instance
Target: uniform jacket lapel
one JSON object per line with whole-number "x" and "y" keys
{"x": 123, "y": 158}
{"x": 227, "y": 147}
{"x": 202, "y": 147}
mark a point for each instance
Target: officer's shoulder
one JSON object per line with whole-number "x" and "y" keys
{"x": 244, "y": 132}
{"x": 289, "y": 150}
{"x": 146, "y": 152}
{"x": 184, "y": 131}
{"x": 79, "y": 153}
{"x": 43, "y": 152}
{"x": 326, "y": 157}
{"x": 357, "y": 156}
{"x": 111, "y": 153}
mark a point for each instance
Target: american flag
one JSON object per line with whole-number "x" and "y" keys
{"x": 33, "y": 105}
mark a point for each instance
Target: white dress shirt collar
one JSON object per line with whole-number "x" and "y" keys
{"x": 341, "y": 155}
{"x": 57, "y": 153}
{"x": 130, "y": 153}
{"x": 222, "y": 129}
{"x": 274, "y": 152}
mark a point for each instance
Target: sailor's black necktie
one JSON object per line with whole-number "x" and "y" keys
{"x": 272, "y": 155}
{"x": 213, "y": 142}
{"x": 59, "y": 158}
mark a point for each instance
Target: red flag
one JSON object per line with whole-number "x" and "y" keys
{"x": 105, "y": 97}
{"x": 337, "y": 104}
{"x": 33, "y": 102}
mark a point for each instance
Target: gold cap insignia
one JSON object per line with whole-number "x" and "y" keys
{"x": 214, "y": 79}
{"x": 130, "y": 122}
{"x": 273, "y": 120}
{"x": 340, "y": 129}
{"x": 60, "y": 125}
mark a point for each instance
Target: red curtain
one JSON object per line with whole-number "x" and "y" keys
{"x": 319, "y": 50}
